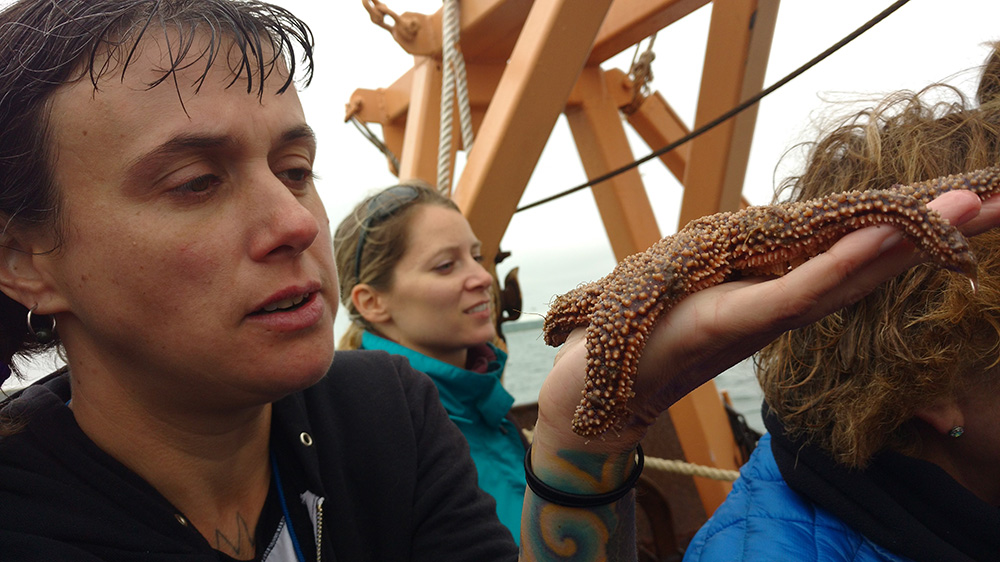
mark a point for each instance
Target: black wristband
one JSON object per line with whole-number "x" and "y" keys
{"x": 565, "y": 499}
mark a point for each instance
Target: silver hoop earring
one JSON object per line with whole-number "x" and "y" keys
{"x": 43, "y": 335}
{"x": 956, "y": 431}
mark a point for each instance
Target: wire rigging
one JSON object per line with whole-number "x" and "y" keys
{"x": 727, "y": 115}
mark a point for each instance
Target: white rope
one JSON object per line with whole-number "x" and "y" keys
{"x": 676, "y": 466}
{"x": 691, "y": 469}
{"x": 462, "y": 92}
{"x": 448, "y": 20}
{"x": 454, "y": 81}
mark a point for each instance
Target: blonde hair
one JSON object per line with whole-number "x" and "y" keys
{"x": 852, "y": 382}
{"x": 385, "y": 243}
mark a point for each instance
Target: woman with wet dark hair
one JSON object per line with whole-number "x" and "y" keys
{"x": 163, "y": 230}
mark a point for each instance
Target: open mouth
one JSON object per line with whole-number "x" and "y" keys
{"x": 285, "y": 305}
{"x": 480, "y": 308}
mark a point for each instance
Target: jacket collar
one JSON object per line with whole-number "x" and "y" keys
{"x": 464, "y": 393}
{"x": 907, "y": 505}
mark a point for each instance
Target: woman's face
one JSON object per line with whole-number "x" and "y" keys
{"x": 196, "y": 254}
{"x": 439, "y": 303}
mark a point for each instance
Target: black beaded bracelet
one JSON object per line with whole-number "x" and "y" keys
{"x": 565, "y": 499}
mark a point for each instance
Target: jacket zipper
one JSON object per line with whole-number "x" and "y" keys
{"x": 319, "y": 530}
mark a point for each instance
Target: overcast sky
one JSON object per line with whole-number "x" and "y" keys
{"x": 560, "y": 245}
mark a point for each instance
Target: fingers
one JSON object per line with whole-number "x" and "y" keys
{"x": 987, "y": 218}
{"x": 957, "y": 206}
{"x": 862, "y": 260}
{"x": 722, "y": 325}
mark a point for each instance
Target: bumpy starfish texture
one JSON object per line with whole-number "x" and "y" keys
{"x": 621, "y": 309}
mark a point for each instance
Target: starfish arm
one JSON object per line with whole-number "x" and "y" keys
{"x": 621, "y": 309}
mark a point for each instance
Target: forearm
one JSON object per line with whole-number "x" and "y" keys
{"x": 550, "y": 531}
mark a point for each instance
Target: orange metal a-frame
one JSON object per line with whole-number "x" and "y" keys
{"x": 530, "y": 61}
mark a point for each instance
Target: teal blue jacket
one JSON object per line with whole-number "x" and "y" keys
{"x": 478, "y": 404}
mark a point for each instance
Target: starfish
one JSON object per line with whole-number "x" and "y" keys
{"x": 620, "y": 310}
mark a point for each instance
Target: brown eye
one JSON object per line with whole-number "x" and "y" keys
{"x": 199, "y": 185}
{"x": 445, "y": 267}
{"x": 296, "y": 175}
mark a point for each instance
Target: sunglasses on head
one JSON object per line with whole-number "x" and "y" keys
{"x": 381, "y": 207}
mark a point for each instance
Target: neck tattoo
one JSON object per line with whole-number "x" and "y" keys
{"x": 242, "y": 546}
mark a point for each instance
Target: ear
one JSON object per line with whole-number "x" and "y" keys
{"x": 22, "y": 273}
{"x": 372, "y": 305}
{"x": 942, "y": 415}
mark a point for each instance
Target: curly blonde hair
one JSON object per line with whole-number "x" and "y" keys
{"x": 852, "y": 382}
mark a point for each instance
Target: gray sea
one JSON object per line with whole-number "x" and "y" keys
{"x": 530, "y": 360}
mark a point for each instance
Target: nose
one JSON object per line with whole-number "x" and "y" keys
{"x": 479, "y": 279}
{"x": 289, "y": 221}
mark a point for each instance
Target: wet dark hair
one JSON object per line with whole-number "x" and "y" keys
{"x": 45, "y": 44}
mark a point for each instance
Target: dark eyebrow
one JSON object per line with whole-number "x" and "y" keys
{"x": 186, "y": 143}
{"x": 300, "y": 132}
{"x": 179, "y": 145}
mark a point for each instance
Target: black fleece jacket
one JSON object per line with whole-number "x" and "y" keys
{"x": 395, "y": 473}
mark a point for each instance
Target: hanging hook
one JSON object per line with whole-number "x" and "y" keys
{"x": 403, "y": 27}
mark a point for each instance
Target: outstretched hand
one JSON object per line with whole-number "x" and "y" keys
{"x": 712, "y": 330}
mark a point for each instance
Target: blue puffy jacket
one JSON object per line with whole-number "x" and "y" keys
{"x": 763, "y": 519}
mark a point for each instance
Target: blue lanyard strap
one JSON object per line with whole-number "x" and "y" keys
{"x": 284, "y": 508}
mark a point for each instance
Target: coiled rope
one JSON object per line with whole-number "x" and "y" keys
{"x": 454, "y": 83}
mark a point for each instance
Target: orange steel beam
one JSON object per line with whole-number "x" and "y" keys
{"x": 738, "y": 47}
{"x": 386, "y": 105}
{"x": 600, "y": 139}
{"x": 654, "y": 120}
{"x": 383, "y": 105}
{"x": 390, "y": 106}
{"x": 658, "y": 125}
{"x": 745, "y": 123}
{"x": 543, "y": 67}
{"x": 482, "y": 82}
{"x": 392, "y": 136}
{"x": 488, "y": 29}
{"x": 418, "y": 159}
{"x": 630, "y": 21}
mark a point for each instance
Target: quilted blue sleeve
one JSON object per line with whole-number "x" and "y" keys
{"x": 763, "y": 519}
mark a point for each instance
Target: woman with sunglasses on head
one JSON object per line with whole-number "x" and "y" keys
{"x": 412, "y": 281}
